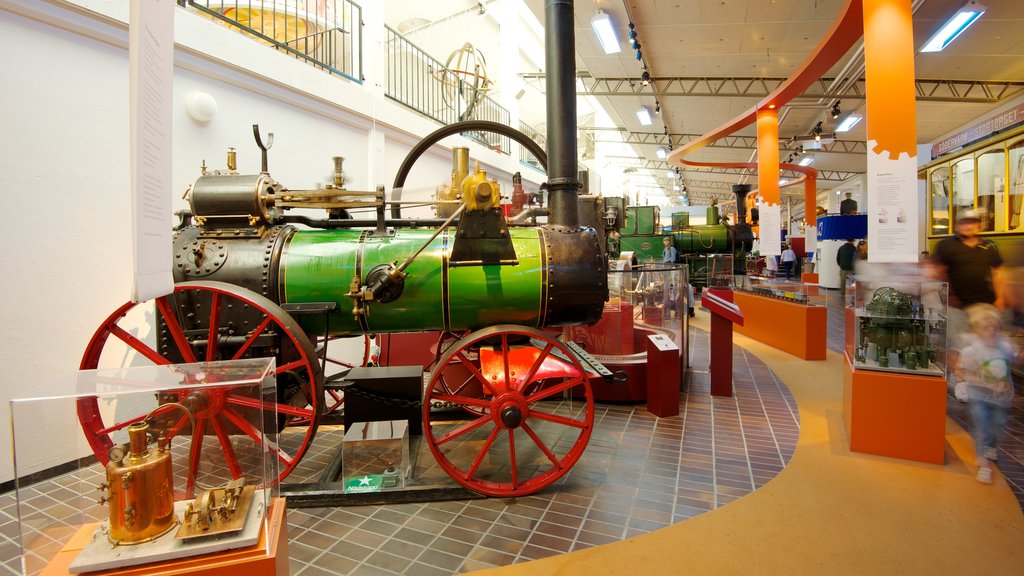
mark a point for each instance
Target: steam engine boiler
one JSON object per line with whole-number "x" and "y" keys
{"x": 255, "y": 279}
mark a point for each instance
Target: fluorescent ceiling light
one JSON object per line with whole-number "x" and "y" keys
{"x": 783, "y": 182}
{"x": 669, "y": 174}
{"x": 602, "y": 24}
{"x": 849, "y": 122}
{"x": 661, "y": 152}
{"x": 806, "y": 160}
{"x": 644, "y": 116}
{"x": 963, "y": 18}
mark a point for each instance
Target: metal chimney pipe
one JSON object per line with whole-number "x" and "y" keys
{"x": 741, "y": 191}
{"x": 560, "y": 62}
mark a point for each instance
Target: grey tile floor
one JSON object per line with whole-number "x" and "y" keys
{"x": 638, "y": 473}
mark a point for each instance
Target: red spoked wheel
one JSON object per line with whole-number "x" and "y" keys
{"x": 521, "y": 433}
{"x": 211, "y": 321}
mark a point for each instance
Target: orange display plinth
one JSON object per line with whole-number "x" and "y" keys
{"x": 795, "y": 328}
{"x": 895, "y": 414}
{"x": 255, "y": 560}
{"x": 809, "y": 278}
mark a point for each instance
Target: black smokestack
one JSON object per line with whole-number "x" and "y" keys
{"x": 560, "y": 61}
{"x": 741, "y": 191}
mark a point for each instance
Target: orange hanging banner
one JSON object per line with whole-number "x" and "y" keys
{"x": 811, "y": 214}
{"x": 768, "y": 155}
{"x": 770, "y": 230}
{"x": 892, "y": 131}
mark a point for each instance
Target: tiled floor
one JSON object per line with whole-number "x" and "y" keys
{"x": 638, "y": 473}
{"x": 1011, "y": 447}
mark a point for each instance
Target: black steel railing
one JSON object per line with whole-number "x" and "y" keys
{"x": 418, "y": 81}
{"x": 327, "y": 33}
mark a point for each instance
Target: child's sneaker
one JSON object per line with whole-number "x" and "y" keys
{"x": 984, "y": 475}
{"x": 960, "y": 391}
{"x": 990, "y": 454}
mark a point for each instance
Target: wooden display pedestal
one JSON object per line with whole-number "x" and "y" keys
{"x": 795, "y": 328}
{"x": 894, "y": 414}
{"x": 254, "y": 560}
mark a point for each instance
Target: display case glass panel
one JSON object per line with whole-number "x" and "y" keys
{"x": 897, "y": 325}
{"x": 782, "y": 289}
{"x": 644, "y": 301}
{"x": 145, "y": 464}
{"x": 711, "y": 270}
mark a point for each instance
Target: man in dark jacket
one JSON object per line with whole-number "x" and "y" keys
{"x": 848, "y": 206}
{"x": 844, "y": 257}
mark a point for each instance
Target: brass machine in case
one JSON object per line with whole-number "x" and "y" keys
{"x": 140, "y": 485}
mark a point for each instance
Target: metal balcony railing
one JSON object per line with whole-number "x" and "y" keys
{"x": 525, "y": 157}
{"x": 326, "y": 33}
{"x": 416, "y": 80}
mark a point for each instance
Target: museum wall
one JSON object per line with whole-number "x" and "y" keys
{"x": 65, "y": 163}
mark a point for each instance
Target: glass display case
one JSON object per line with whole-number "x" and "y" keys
{"x": 782, "y": 289}
{"x": 897, "y": 325}
{"x": 643, "y": 300}
{"x": 711, "y": 270}
{"x": 124, "y": 467}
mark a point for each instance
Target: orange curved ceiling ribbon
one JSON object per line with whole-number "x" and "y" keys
{"x": 845, "y": 31}
{"x": 806, "y": 171}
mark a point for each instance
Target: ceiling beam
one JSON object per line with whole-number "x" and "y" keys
{"x": 661, "y": 165}
{"x": 927, "y": 90}
{"x": 732, "y": 141}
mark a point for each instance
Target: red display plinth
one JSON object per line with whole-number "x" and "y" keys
{"x": 724, "y": 313}
{"x": 662, "y": 376}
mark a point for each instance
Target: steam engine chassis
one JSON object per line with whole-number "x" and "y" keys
{"x": 249, "y": 283}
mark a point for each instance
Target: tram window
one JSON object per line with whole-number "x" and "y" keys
{"x": 963, "y": 186}
{"x": 991, "y": 190}
{"x": 1017, "y": 186}
{"x": 940, "y": 200}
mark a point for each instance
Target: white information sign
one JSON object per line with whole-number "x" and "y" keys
{"x": 770, "y": 229}
{"x": 893, "y": 214}
{"x": 151, "y": 68}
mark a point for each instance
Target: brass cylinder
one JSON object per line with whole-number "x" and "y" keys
{"x": 141, "y": 504}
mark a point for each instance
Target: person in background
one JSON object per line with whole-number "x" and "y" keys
{"x": 788, "y": 260}
{"x": 848, "y": 206}
{"x": 971, "y": 264}
{"x": 669, "y": 253}
{"x": 844, "y": 258}
{"x": 985, "y": 367}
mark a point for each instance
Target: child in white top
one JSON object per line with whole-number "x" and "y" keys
{"x": 985, "y": 366}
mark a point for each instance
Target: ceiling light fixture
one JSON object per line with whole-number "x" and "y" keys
{"x": 849, "y": 122}
{"x": 835, "y": 110}
{"x": 643, "y": 114}
{"x": 806, "y": 160}
{"x": 953, "y": 27}
{"x": 645, "y": 78}
{"x": 605, "y": 31}
{"x": 817, "y": 131}
{"x": 661, "y": 152}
